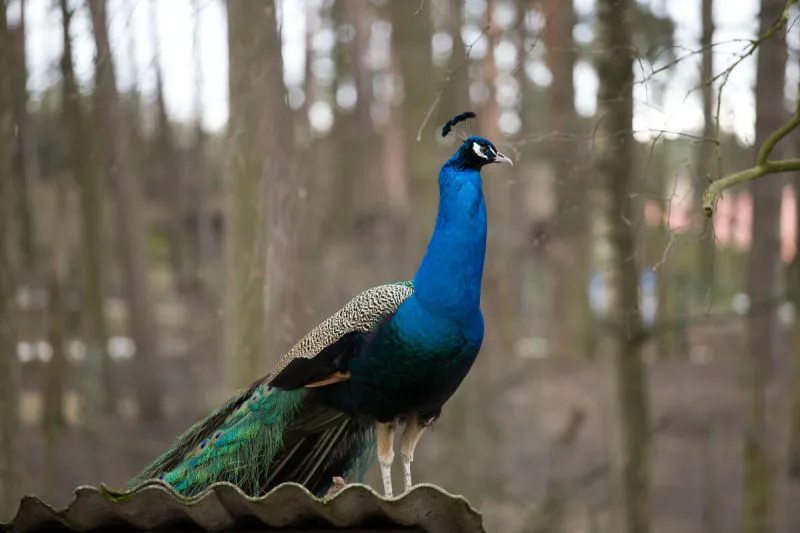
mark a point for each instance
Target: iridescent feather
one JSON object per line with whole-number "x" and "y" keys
{"x": 265, "y": 436}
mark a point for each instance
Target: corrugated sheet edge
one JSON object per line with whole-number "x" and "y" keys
{"x": 155, "y": 504}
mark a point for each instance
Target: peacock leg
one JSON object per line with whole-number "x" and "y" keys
{"x": 411, "y": 434}
{"x": 385, "y": 437}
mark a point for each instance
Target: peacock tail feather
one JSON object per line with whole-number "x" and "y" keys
{"x": 267, "y": 435}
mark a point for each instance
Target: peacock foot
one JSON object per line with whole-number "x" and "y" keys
{"x": 338, "y": 484}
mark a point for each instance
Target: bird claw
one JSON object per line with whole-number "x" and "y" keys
{"x": 338, "y": 484}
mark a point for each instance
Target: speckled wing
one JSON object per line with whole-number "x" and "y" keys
{"x": 317, "y": 354}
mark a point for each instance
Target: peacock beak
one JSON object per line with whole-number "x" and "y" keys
{"x": 500, "y": 158}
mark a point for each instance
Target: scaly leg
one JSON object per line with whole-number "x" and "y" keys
{"x": 411, "y": 434}
{"x": 385, "y": 437}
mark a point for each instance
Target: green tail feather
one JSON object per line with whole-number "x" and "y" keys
{"x": 262, "y": 438}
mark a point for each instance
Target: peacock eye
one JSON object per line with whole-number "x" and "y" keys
{"x": 480, "y": 150}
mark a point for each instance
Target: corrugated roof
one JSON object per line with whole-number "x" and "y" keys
{"x": 155, "y": 506}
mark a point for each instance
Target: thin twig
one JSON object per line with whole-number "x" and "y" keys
{"x": 447, "y": 79}
{"x": 763, "y": 166}
{"x": 714, "y": 191}
{"x": 779, "y": 24}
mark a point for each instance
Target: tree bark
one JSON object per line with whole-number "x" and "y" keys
{"x": 394, "y": 242}
{"x": 613, "y": 250}
{"x": 286, "y": 205}
{"x": 570, "y": 311}
{"x": 204, "y": 230}
{"x": 793, "y": 277}
{"x": 131, "y": 230}
{"x": 27, "y": 161}
{"x": 561, "y": 56}
{"x": 359, "y": 131}
{"x": 764, "y": 280}
{"x": 341, "y": 210}
{"x": 705, "y": 151}
{"x": 455, "y": 96}
{"x": 10, "y": 256}
{"x": 412, "y": 30}
{"x": 491, "y": 108}
{"x": 253, "y": 136}
{"x": 53, "y": 417}
{"x": 498, "y": 291}
{"x": 411, "y": 38}
{"x": 98, "y": 387}
{"x": 58, "y": 274}
{"x": 170, "y": 172}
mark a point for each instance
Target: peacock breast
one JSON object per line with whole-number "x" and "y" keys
{"x": 414, "y": 363}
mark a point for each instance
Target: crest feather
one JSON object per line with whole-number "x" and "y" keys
{"x": 448, "y": 126}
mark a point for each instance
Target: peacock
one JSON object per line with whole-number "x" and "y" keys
{"x": 392, "y": 356}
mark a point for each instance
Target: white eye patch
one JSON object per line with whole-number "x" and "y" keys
{"x": 477, "y": 149}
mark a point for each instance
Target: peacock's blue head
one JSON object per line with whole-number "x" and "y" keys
{"x": 476, "y": 152}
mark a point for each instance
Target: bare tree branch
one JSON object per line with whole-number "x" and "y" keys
{"x": 763, "y": 166}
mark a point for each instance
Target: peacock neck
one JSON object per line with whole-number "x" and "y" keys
{"x": 448, "y": 281}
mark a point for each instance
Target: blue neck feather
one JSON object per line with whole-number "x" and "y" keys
{"x": 448, "y": 281}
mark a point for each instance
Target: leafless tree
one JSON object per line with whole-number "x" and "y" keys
{"x": 764, "y": 280}
{"x": 613, "y": 251}
{"x": 705, "y": 152}
{"x": 253, "y": 156}
{"x": 130, "y": 228}
{"x": 10, "y": 257}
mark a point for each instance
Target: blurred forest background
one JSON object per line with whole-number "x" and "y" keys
{"x": 170, "y": 227}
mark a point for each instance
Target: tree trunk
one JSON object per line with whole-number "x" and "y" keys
{"x": 9, "y": 272}
{"x": 318, "y": 170}
{"x": 393, "y": 245}
{"x": 131, "y": 230}
{"x": 491, "y": 108}
{"x": 561, "y": 57}
{"x": 613, "y": 252}
{"x": 705, "y": 152}
{"x": 286, "y": 205}
{"x": 455, "y": 96}
{"x": 358, "y": 122}
{"x": 341, "y": 210}
{"x": 412, "y": 31}
{"x": 570, "y": 310}
{"x": 170, "y": 172}
{"x": 53, "y": 417}
{"x": 204, "y": 230}
{"x": 667, "y": 279}
{"x": 357, "y": 201}
{"x": 27, "y": 161}
{"x": 58, "y": 275}
{"x": 764, "y": 280}
{"x": 98, "y": 387}
{"x": 793, "y": 277}
{"x": 498, "y": 291}
{"x": 253, "y": 135}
